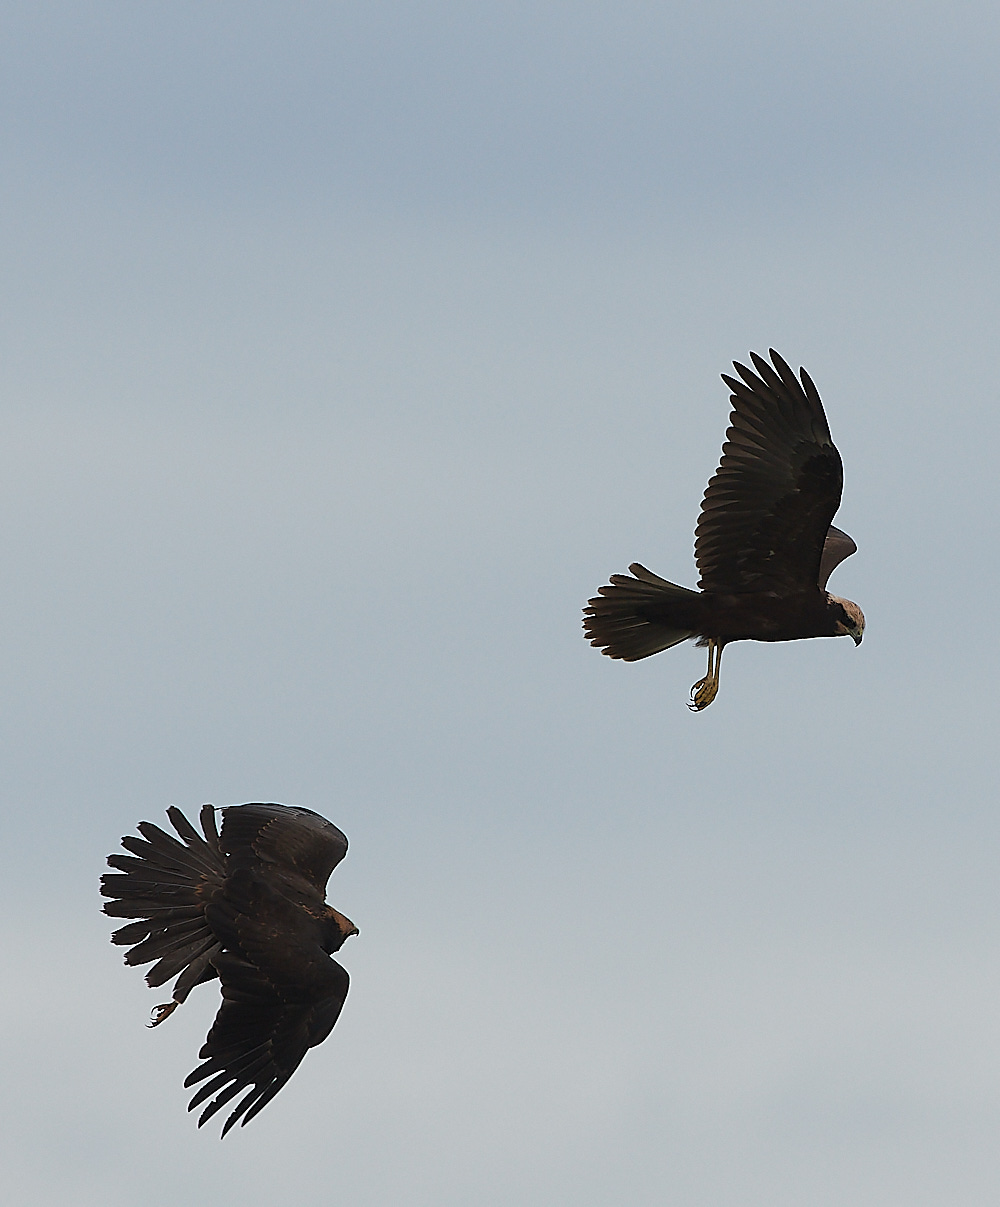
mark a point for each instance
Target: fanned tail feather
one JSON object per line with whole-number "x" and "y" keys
{"x": 634, "y": 617}
{"x": 165, "y": 883}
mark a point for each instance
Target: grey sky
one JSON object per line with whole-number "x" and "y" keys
{"x": 346, "y": 350}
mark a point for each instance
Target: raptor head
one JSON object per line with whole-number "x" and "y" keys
{"x": 849, "y": 620}
{"x": 338, "y": 930}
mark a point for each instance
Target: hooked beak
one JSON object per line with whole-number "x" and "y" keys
{"x": 857, "y": 637}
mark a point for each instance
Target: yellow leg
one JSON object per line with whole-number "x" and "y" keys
{"x": 705, "y": 690}
{"x": 162, "y": 1012}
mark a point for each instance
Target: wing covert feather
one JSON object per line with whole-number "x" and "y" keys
{"x": 298, "y": 840}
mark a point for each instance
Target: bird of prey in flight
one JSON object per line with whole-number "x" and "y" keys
{"x": 247, "y": 906}
{"x": 765, "y": 544}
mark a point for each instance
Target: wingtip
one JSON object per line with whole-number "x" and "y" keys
{"x": 778, "y": 361}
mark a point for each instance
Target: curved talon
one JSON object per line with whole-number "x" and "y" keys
{"x": 161, "y": 1012}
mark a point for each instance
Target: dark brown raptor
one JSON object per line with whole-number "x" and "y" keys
{"x": 247, "y": 906}
{"x": 765, "y": 544}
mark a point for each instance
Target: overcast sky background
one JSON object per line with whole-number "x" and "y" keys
{"x": 346, "y": 349}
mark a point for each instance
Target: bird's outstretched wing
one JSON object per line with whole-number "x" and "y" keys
{"x": 296, "y": 840}
{"x": 281, "y": 996}
{"x": 767, "y": 511}
{"x": 166, "y": 884}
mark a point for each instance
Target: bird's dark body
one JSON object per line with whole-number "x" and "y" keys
{"x": 751, "y": 616}
{"x": 248, "y": 907}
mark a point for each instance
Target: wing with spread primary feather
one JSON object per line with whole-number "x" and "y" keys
{"x": 767, "y": 511}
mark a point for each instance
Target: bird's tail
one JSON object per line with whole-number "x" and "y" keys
{"x": 166, "y": 884}
{"x": 634, "y": 617}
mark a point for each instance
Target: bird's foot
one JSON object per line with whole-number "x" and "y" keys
{"x": 703, "y": 693}
{"x": 162, "y": 1012}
